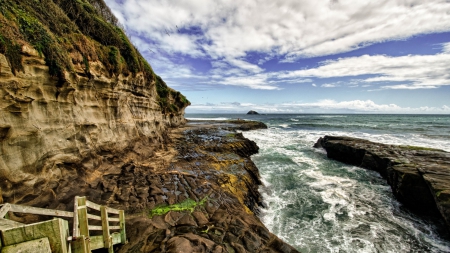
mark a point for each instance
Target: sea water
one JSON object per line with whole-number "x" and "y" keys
{"x": 320, "y": 205}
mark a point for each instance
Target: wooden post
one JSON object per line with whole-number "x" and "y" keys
{"x": 107, "y": 239}
{"x": 123, "y": 235}
{"x": 83, "y": 221}
{"x": 76, "y": 229}
{"x": 80, "y": 245}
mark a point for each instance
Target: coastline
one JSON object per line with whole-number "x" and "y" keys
{"x": 205, "y": 196}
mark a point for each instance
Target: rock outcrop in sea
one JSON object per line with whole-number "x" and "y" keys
{"x": 252, "y": 112}
{"x": 419, "y": 177}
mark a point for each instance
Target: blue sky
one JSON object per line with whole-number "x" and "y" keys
{"x": 297, "y": 56}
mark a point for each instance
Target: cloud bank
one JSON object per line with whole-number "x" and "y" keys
{"x": 227, "y": 34}
{"x": 321, "y": 106}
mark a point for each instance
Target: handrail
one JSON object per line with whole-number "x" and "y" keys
{"x": 82, "y": 217}
{"x": 32, "y": 210}
{"x": 81, "y": 225}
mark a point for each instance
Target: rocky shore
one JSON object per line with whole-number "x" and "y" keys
{"x": 419, "y": 177}
{"x": 204, "y": 196}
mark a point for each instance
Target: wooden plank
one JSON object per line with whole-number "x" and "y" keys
{"x": 64, "y": 235}
{"x": 123, "y": 235}
{"x": 55, "y": 230}
{"x": 114, "y": 228}
{"x": 93, "y": 205}
{"x": 40, "y": 211}
{"x": 76, "y": 230}
{"x": 94, "y": 217}
{"x": 80, "y": 245}
{"x": 112, "y": 210}
{"x": 95, "y": 228}
{"x": 82, "y": 217}
{"x": 97, "y": 242}
{"x": 114, "y": 219}
{"x": 4, "y": 210}
{"x": 107, "y": 239}
{"x": 116, "y": 238}
{"x": 41, "y": 245}
{"x": 7, "y": 224}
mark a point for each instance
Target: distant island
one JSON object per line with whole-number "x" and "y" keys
{"x": 252, "y": 112}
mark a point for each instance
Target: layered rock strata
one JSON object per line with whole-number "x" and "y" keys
{"x": 205, "y": 197}
{"x": 53, "y": 134}
{"x": 419, "y": 177}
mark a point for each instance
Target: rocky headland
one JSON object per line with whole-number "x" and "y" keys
{"x": 419, "y": 177}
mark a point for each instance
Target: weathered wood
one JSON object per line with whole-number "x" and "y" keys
{"x": 80, "y": 245}
{"x": 107, "y": 239}
{"x": 7, "y": 224}
{"x": 82, "y": 217}
{"x": 116, "y": 238}
{"x": 76, "y": 230}
{"x": 56, "y": 230}
{"x": 123, "y": 235}
{"x": 93, "y": 205}
{"x": 94, "y": 217}
{"x": 114, "y": 219}
{"x": 4, "y": 210}
{"x": 41, "y": 245}
{"x": 112, "y": 210}
{"x": 40, "y": 211}
{"x": 114, "y": 228}
{"x": 95, "y": 228}
{"x": 97, "y": 242}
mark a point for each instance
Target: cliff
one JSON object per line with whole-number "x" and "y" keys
{"x": 419, "y": 177}
{"x": 75, "y": 94}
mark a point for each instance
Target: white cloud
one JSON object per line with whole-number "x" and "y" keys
{"x": 321, "y": 106}
{"x": 407, "y": 72}
{"x": 329, "y": 85}
{"x": 226, "y": 32}
{"x": 446, "y": 48}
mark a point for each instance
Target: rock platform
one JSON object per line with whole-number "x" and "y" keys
{"x": 205, "y": 198}
{"x": 419, "y": 177}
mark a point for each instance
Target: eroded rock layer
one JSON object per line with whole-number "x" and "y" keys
{"x": 53, "y": 134}
{"x": 419, "y": 177}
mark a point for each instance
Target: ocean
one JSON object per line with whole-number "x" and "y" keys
{"x": 320, "y": 205}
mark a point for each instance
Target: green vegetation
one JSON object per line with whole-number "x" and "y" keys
{"x": 62, "y": 30}
{"x": 186, "y": 205}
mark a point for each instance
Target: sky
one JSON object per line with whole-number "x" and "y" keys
{"x": 297, "y": 56}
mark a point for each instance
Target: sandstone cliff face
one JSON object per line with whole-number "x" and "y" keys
{"x": 46, "y": 126}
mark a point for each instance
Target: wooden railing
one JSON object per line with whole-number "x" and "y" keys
{"x": 81, "y": 227}
{"x": 81, "y": 240}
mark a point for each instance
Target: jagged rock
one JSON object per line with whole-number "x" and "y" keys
{"x": 419, "y": 177}
{"x": 252, "y": 112}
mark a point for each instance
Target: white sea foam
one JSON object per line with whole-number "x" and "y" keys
{"x": 349, "y": 210}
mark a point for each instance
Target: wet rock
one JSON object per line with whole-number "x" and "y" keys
{"x": 210, "y": 197}
{"x": 419, "y": 177}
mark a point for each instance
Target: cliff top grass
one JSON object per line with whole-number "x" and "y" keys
{"x": 58, "y": 29}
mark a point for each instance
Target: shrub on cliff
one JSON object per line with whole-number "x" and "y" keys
{"x": 60, "y": 27}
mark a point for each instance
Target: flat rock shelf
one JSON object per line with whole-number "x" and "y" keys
{"x": 204, "y": 198}
{"x": 419, "y": 177}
